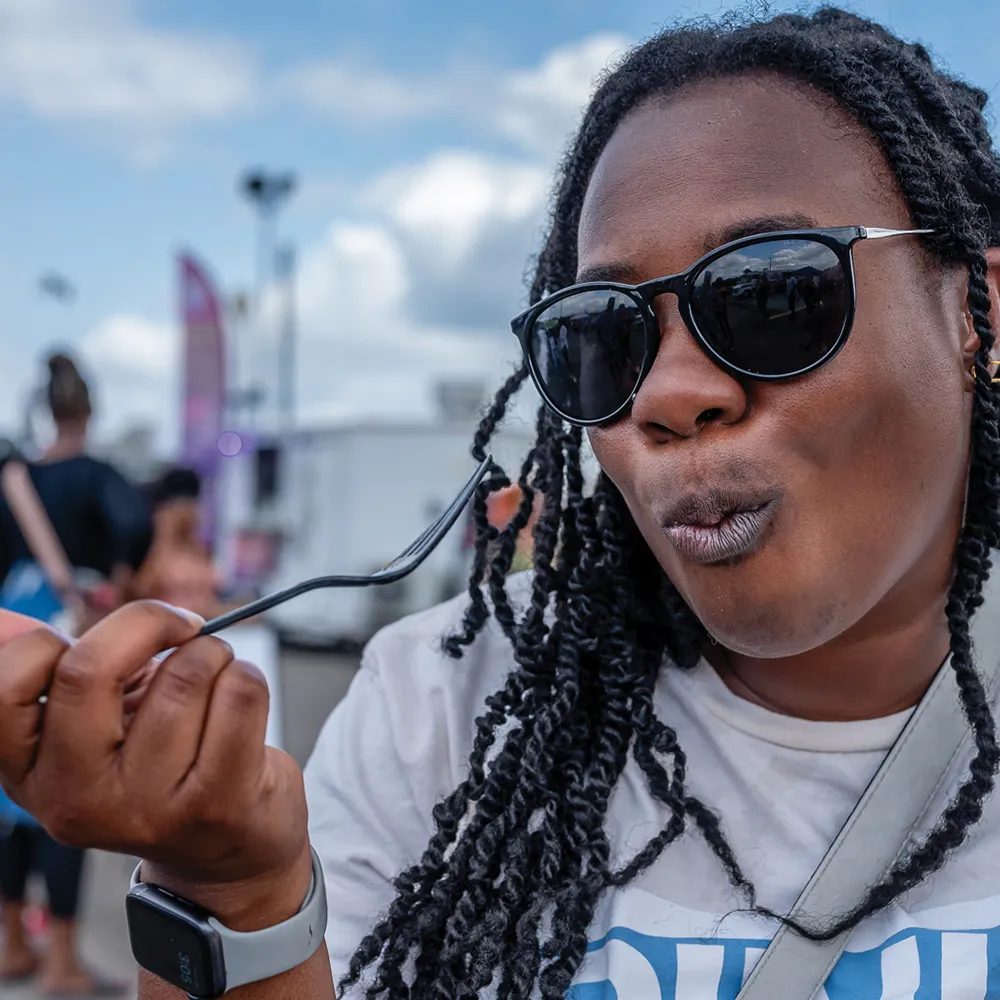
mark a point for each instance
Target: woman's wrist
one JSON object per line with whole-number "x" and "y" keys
{"x": 247, "y": 904}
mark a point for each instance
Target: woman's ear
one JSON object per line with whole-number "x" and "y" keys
{"x": 972, "y": 341}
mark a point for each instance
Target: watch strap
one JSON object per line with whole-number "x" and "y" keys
{"x": 251, "y": 956}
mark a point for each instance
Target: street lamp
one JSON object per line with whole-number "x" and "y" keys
{"x": 266, "y": 192}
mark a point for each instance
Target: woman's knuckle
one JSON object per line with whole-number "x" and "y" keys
{"x": 187, "y": 679}
{"x": 152, "y": 612}
{"x": 9, "y": 701}
{"x": 248, "y": 685}
{"x": 75, "y": 672}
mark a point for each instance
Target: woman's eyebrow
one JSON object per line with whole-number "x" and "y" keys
{"x": 756, "y": 226}
{"x": 619, "y": 270}
{"x": 622, "y": 271}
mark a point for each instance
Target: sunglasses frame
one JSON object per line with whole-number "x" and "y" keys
{"x": 840, "y": 240}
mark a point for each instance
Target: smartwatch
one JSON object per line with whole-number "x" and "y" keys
{"x": 183, "y": 944}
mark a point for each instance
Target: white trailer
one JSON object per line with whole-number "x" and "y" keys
{"x": 348, "y": 499}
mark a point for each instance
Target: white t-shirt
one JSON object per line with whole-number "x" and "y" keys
{"x": 399, "y": 743}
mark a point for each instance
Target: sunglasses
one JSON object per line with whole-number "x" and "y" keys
{"x": 767, "y": 307}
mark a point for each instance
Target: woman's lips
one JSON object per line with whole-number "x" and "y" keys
{"x": 734, "y": 535}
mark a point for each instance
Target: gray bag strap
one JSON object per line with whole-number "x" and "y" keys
{"x": 877, "y": 831}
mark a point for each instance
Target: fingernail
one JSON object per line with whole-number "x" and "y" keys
{"x": 58, "y": 631}
{"x": 195, "y": 619}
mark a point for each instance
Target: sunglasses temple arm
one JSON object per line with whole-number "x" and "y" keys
{"x": 874, "y": 233}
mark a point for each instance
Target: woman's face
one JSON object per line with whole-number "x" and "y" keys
{"x": 867, "y": 456}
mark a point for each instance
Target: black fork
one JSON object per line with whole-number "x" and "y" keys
{"x": 404, "y": 564}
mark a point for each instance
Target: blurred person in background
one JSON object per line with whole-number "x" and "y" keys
{"x": 104, "y": 525}
{"x": 179, "y": 568}
{"x": 501, "y": 509}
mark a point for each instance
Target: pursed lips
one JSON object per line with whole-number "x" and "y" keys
{"x": 718, "y": 525}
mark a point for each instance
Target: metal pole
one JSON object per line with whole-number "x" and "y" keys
{"x": 265, "y": 273}
{"x": 266, "y": 192}
{"x": 286, "y": 348}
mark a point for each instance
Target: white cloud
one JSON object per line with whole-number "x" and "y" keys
{"x": 422, "y": 283}
{"x": 536, "y": 107}
{"x": 135, "y": 365}
{"x": 447, "y": 202}
{"x": 361, "y": 350}
{"x": 425, "y": 287}
{"x": 352, "y": 92}
{"x": 134, "y": 344}
{"x": 539, "y": 107}
{"x": 92, "y": 62}
{"x": 350, "y": 302}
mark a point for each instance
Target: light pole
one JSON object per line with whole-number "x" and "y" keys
{"x": 285, "y": 264}
{"x": 266, "y": 192}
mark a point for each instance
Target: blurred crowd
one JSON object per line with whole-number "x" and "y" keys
{"x": 77, "y": 540}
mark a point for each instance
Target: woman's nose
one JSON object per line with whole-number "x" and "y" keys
{"x": 684, "y": 391}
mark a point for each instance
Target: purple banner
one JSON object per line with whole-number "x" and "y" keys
{"x": 204, "y": 390}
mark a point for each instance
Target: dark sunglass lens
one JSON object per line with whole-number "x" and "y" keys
{"x": 588, "y": 350}
{"x": 773, "y": 308}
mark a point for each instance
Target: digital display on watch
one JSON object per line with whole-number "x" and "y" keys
{"x": 174, "y": 940}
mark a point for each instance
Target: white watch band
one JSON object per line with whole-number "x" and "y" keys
{"x": 251, "y": 956}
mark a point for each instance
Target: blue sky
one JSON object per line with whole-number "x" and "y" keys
{"x": 424, "y": 135}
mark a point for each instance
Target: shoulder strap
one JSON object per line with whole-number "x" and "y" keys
{"x": 878, "y": 829}
{"x": 41, "y": 538}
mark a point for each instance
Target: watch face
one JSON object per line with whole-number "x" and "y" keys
{"x": 173, "y": 940}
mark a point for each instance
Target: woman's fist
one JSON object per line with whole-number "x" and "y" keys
{"x": 167, "y": 764}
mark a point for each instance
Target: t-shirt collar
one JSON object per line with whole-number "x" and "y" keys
{"x": 707, "y": 687}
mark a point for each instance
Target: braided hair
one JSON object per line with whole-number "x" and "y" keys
{"x": 505, "y": 892}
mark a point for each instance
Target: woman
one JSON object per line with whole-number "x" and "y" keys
{"x": 653, "y": 739}
{"x": 104, "y": 526}
{"x": 103, "y": 522}
{"x": 179, "y": 568}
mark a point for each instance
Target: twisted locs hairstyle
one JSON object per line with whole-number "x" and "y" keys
{"x": 507, "y": 887}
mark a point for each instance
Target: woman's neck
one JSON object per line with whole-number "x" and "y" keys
{"x": 70, "y": 441}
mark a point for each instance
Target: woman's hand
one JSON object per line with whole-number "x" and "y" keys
{"x": 12, "y": 624}
{"x": 182, "y": 780}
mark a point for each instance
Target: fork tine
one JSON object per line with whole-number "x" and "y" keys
{"x": 424, "y": 543}
{"x": 448, "y": 515}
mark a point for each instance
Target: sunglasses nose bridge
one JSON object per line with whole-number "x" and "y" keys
{"x": 663, "y": 298}
{"x": 662, "y": 286}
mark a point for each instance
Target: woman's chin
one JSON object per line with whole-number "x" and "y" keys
{"x": 772, "y": 630}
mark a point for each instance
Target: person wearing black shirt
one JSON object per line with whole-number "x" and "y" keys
{"x": 105, "y": 526}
